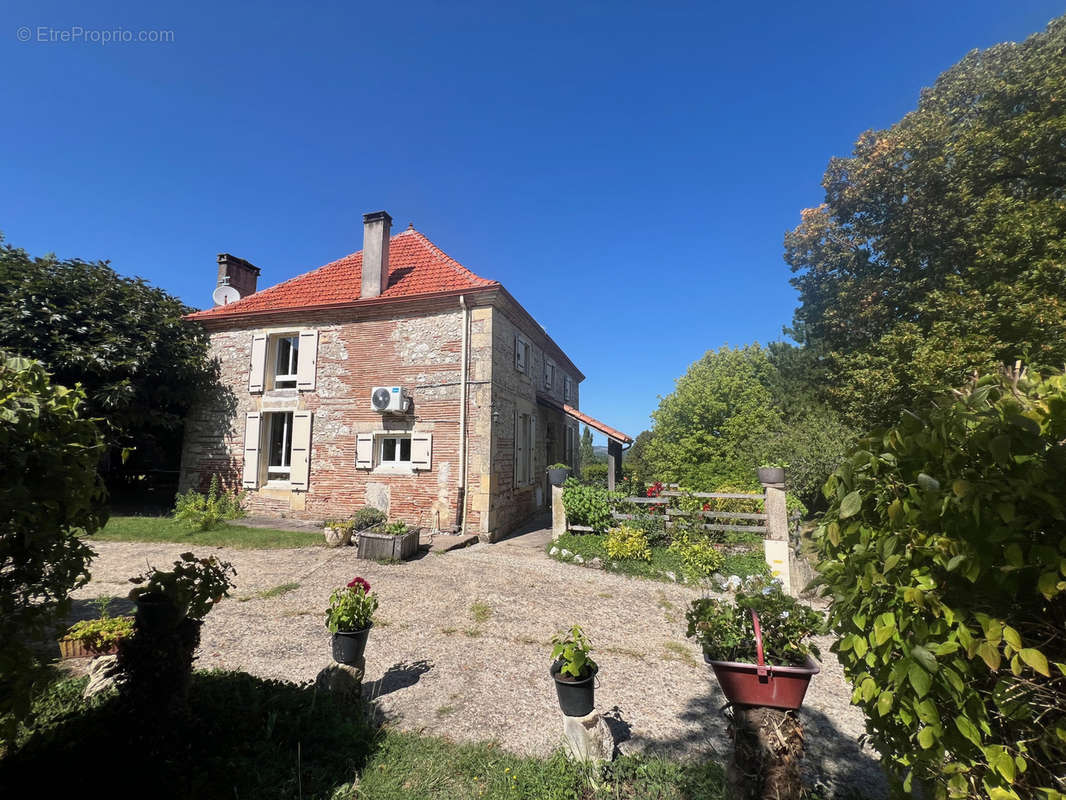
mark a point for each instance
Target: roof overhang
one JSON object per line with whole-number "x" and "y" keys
{"x": 592, "y": 422}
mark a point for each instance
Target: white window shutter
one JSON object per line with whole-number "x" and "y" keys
{"x": 300, "y": 462}
{"x": 421, "y": 451}
{"x": 306, "y": 366}
{"x": 258, "y": 366}
{"x": 517, "y": 438}
{"x": 519, "y": 353}
{"x": 364, "y": 451}
{"x": 251, "y": 450}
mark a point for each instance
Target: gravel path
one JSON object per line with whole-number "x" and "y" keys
{"x": 432, "y": 668}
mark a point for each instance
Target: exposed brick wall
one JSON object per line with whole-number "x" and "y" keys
{"x": 419, "y": 349}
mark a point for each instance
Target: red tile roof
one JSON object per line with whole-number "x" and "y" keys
{"x": 592, "y": 422}
{"x": 416, "y": 267}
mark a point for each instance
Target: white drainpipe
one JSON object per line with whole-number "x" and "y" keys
{"x": 462, "y": 414}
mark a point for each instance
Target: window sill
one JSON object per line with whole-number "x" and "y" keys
{"x": 406, "y": 469}
{"x": 278, "y": 483}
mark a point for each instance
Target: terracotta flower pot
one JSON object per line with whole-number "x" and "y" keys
{"x": 763, "y": 684}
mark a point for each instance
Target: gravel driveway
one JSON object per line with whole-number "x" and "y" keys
{"x": 433, "y": 668}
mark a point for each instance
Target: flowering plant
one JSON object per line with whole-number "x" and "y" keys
{"x": 724, "y": 628}
{"x": 351, "y": 608}
{"x": 193, "y": 586}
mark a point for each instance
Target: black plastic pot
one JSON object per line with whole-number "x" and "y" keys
{"x": 156, "y": 612}
{"x": 771, "y": 475}
{"x": 349, "y": 646}
{"x": 576, "y": 698}
{"x": 557, "y": 476}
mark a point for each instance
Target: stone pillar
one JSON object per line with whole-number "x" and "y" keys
{"x": 589, "y": 738}
{"x": 558, "y": 513}
{"x": 776, "y": 545}
{"x": 343, "y": 681}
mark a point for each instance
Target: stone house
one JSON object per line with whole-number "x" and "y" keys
{"x": 477, "y": 398}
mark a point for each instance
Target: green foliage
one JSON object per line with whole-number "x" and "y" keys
{"x": 559, "y": 465}
{"x": 164, "y": 529}
{"x": 700, "y": 557}
{"x": 627, "y": 542}
{"x": 706, "y": 429}
{"x": 397, "y": 528}
{"x": 368, "y": 517}
{"x": 194, "y": 585}
{"x": 208, "y": 511}
{"x": 49, "y": 493}
{"x": 572, "y": 648}
{"x": 101, "y": 634}
{"x": 726, "y": 632}
{"x": 944, "y": 553}
{"x": 243, "y": 737}
{"x": 594, "y": 473}
{"x": 124, "y": 341}
{"x": 588, "y": 505}
{"x": 586, "y": 455}
{"x": 352, "y": 607}
{"x": 941, "y": 244}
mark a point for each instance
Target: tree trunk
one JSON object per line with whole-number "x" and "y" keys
{"x": 767, "y": 750}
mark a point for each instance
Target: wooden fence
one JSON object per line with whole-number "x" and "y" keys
{"x": 754, "y": 523}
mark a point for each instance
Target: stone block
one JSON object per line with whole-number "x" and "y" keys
{"x": 343, "y": 681}
{"x": 588, "y": 738}
{"x": 104, "y": 672}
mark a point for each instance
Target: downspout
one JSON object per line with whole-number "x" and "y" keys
{"x": 462, "y": 414}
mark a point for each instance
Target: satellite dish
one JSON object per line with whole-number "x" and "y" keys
{"x": 223, "y": 295}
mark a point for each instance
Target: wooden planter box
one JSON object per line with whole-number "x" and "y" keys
{"x": 75, "y": 648}
{"x": 386, "y": 547}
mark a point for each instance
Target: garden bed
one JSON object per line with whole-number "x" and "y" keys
{"x": 742, "y": 558}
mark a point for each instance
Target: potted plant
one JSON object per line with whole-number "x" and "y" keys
{"x": 165, "y": 597}
{"x": 558, "y": 473}
{"x": 773, "y": 473}
{"x": 757, "y": 644}
{"x": 349, "y": 618}
{"x": 96, "y": 637}
{"x": 338, "y": 532}
{"x": 393, "y": 541}
{"x": 574, "y": 672}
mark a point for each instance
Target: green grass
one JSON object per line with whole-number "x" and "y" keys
{"x": 663, "y": 560}
{"x": 277, "y": 591}
{"x": 166, "y": 530}
{"x": 480, "y": 611}
{"x": 248, "y": 737}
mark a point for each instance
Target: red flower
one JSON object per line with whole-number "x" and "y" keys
{"x": 357, "y": 581}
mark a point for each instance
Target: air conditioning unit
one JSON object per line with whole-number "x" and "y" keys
{"x": 389, "y": 400}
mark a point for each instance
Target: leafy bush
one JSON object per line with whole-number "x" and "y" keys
{"x": 397, "y": 528}
{"x": 725, "y": 630}
{"x": 572, "y": 648}
{"x": 594, "y": 474}
{"x": 351, "y": 608}
{"x": 209, "y": 510}
{"x": 588, "y": 505}
{"x": 49, "y": 494}
{"x": 627, "y": 542}
{"x": 367, "y": 517}
{"x": 700, "y": 557}
{"x": 194, "y": 585}
{"x": 944, "y": 552}
{"x": 100, "y": 635}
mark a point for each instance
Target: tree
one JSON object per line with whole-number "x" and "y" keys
{"x": 944, "y": 553}
{"x": 50, "y": 492}
{"x": 707, "y": 431}
{"x": 633, "y": 458}
{"x": 586, "y": 454}
{"x": 941, "y": 245}
{"x": 121, "y": 339}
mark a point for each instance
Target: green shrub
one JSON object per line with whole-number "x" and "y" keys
{"x": 627, "y": 542}
{"x": 99, "y": 635}
{"x": 49, "y": 494}
{"x": 367, "y": 517}
{"x": 594, "y": 474}
{"x": 208, "y": 511}
{"x": 588, "y": 505}
{"x": 700, "y": 557}
{"x": 944, "y": 550}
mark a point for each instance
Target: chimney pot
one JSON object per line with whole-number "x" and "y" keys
{"x": 376, "y": 228}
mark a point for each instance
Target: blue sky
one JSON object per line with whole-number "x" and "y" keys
{"x": 627, "y": 170}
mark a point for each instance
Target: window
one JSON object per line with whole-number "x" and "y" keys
{"x": 279, "y": 446}
{"x": 571, "y": 439}
{"x": 286, "y": 361}
{"x": 394, "y": 450}
{"x": 521, "y": 352}
{"x": 568, "y": 389}
{"x": 549, "y": 374}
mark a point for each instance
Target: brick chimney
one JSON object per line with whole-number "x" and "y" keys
{"x": 375, "y": 253}
{"x": 238, "y": 273}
